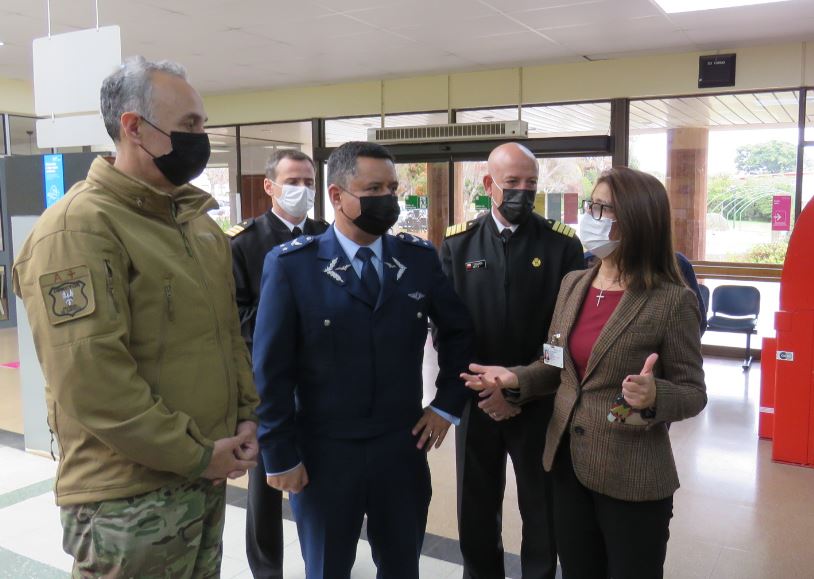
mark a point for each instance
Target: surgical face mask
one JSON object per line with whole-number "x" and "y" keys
{"x": 188, "y": 158}
{"x": 296, "y": 200}
{"x": 379, "y": 213}
{"x": 518, "y": 204}
{"x": 595, "y": 235}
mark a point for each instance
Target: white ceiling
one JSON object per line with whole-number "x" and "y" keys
{"x": 248, "y": 44}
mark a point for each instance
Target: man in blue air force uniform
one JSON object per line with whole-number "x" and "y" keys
{"x": 338, "y": 353}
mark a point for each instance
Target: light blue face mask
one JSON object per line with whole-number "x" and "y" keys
{"x": 595, "y": 235}
{"x": 296, "y": 200}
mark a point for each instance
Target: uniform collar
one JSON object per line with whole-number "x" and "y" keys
{"x": 287, "y": 223}
{"x": 499, "y": 225}
{"x": 184, "y": 204}
{"x": 350, "y": 247}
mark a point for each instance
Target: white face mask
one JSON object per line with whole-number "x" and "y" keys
{"x": 296, "y": 200}
{"x": 595, "y": 235}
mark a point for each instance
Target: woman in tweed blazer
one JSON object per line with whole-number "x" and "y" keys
{"x": 627, "y": 327}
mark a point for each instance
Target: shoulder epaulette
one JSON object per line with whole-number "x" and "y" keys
{"x": 236, "y": 230}
{"x": 296, "y": 244}
{"x": 459, "y": 228}
{"x": 562, "y": 228}
{"x": 414, "y": 240}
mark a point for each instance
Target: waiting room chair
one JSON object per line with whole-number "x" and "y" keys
{"x": 705, "y": 297}
{"x": 735, "y": 309}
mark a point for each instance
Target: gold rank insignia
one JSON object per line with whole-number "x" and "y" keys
{"x": 458, "y": 228}
{"x": 536, "y": 262}
{"x": 563, "y": 229}
{"x": 68, "y": 294}
{"x": 236, "y": 230}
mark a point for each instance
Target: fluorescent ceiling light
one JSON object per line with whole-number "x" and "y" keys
{"x": 674, "y": 6}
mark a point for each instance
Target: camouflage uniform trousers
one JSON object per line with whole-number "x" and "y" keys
{"x": 173, "y": 532}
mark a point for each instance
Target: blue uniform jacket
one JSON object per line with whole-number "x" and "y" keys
{"x": 329, "y": 363}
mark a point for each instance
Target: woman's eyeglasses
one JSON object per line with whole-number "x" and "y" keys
{"x": 595, "y": 209}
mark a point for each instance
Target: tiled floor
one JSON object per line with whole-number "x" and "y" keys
{"x": 737, "y": 515}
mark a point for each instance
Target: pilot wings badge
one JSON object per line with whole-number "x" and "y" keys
{"x": 333, "y": 271}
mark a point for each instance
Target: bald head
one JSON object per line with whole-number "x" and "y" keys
{"x": 510, "y": 156}
{"x": 511, "y": 166}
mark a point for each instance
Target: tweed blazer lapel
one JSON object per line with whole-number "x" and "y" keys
{"x": 620, "y": 319}
{"x": 572, "y": 306}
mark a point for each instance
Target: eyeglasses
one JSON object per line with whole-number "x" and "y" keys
{"x": 595, "y": 209}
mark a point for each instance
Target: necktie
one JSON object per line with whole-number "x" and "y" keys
{"x": 370, "y": 279}
{"x": 296, "y": 232}
{"x": 505, "y": 235}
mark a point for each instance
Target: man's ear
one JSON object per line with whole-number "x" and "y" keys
{"x": 130, "y": 126}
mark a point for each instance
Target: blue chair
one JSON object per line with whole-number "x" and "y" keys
{"x": 735, "y": 309}
{"x": 704, "y": 291}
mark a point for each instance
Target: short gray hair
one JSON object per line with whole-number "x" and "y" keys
{"x": 130, "y": 89}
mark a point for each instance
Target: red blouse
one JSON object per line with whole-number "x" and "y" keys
{"x": 592, "y": 317}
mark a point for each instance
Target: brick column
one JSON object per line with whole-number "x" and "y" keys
{"x": 686, "y": 182}
{"x": 438, "y": 193}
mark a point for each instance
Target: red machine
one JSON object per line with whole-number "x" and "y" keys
{"x": 794, "y": 355}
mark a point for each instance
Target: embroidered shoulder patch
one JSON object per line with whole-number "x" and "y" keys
{"x": 414, "y": 240}
{"x": 295, "y": 244}
{"x": 68, "y": 294}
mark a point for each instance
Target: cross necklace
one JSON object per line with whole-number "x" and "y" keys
{"x": 601, "y": 296}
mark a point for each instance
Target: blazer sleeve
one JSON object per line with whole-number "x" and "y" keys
{"x": 680, "y": 388}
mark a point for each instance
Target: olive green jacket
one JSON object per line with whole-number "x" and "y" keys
{"x": 130, "y": 297}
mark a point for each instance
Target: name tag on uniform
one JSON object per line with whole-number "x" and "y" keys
{"x": 478, "y": 264}
{"x": 553, "y": 355}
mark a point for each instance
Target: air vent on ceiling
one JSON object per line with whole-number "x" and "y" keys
{"x": 454, "y": 132}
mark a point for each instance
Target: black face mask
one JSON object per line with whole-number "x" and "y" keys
{"x": 518, "y": 204}
{"x": 379, "y": 213}
{"x": 188, "y": 158}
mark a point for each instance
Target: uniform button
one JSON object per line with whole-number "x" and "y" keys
{"x": 327, "y": 323}
{"x": 579, "y": 430}
{"x": 419, "y": 315}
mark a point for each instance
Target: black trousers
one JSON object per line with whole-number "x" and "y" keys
{"x": 264, "y": 526}
{"x": 482, "y": 446}
{"x": 599, "y": 537}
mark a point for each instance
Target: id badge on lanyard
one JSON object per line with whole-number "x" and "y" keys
{"x": 554, "y": 353}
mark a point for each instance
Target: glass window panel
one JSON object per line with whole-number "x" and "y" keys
{"x": 739, "y": 152}
{"x": 4, "y": 286}
{"x": 257, "y": 143}
{"x": 219, "y": 178}
{"x": 570, "y": 120}
{"x": 2, "y": 136}
{"x": 339, "y": 131}
{"x": 808, "y": 175}
{"x": 24, "y": 136}
{"x": 562, "y": 183}
{"x": 809, "y": 134}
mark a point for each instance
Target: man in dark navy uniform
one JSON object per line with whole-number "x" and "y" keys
{"x": 290, "y": 184}
{"x": 507, "y": 266}
{"x": 338, "y": 355}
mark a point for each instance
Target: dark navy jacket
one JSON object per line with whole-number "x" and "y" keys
{"x": 328, "y": 363}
